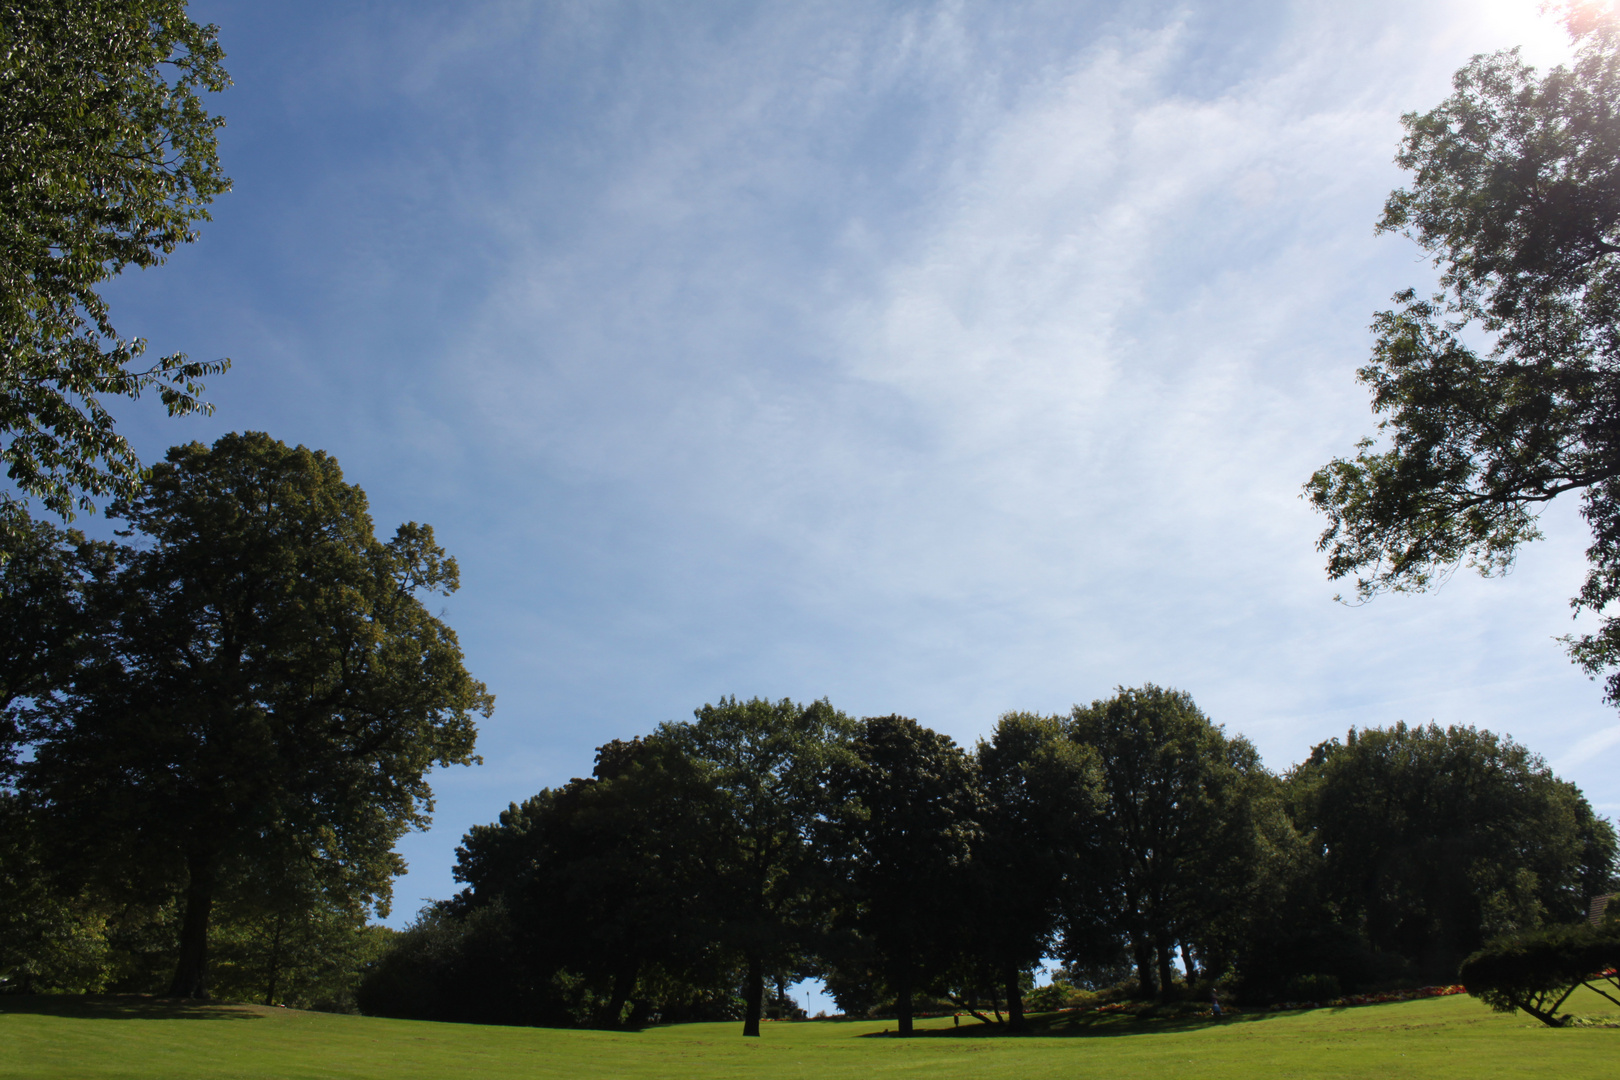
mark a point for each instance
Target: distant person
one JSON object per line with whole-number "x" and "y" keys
{"x": 1215, "y": 1002}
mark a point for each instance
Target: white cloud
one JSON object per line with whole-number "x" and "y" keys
{"x": 940, "y": 358}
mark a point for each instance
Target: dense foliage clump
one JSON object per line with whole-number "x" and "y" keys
{"x": 108, "y": 159}
{"x": 1133, "y": 838}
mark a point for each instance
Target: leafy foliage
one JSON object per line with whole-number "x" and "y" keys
{"x": 1042, "y": 794}
{"x": 1537, "y": 972}
{"x": 1178, "y": 823}
{"x": 766, "y": 764}
{"x": 264, "y": 696}
{"x": 107, "y": 160}
{"x": 908, "y": 812}
{"x": 45, "y": 625}
{"x": 1431, "y": 840}
{"x": 610, "y": 885}
{"x": 1516, "y": 195}
{"x": 49, "y": 941}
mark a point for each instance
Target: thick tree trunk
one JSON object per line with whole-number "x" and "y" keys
{"x": 1187, "y": 962}
{"x": 1144, "y": 966}
{"x": 902, "y": 997}
{"x": 1015, "y": 999}
{"x": 624, "y": 981}
{"x": 753, "y": 995}
{"x": 191, "y": 974}
{"x": 1166, "y": 983}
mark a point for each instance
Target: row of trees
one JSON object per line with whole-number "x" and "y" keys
{"x": 219, "y": 728}
{"x": 767, "y": 841}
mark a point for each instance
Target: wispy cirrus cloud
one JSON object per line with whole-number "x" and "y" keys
{"x": 936, "y": 357}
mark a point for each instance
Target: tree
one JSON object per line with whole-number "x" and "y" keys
{"x": 604, "y": 879}
{"x": 268, "y": 691}
{"x": 767, "y": 763}
{"x": 1516, "y": 195}
{"x": 49, "y": 940}
{"x": 287, "y": 939}
{"x": 1433, "y": 840}
{"x": 906, "y": 818}
{"x": 107, "y": 160}
{"x": 1536, "y": 972}
{"x": 1178, "y": 819}
{"x": 1041, "y": 793}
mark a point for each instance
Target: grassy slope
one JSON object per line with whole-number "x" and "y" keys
{"x": 48, "y": 1038}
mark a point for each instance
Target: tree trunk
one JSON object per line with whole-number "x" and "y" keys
{"x": 191, "y": 974}
{"x": 275, "y": 960}
{"x": 1144, "y": 966}
{"x": 624, "y": 981}
{"x": 753, "y": 995}
{"x": 1187, "y": 962}
{"x": 902, "y": 997}
{"x": 1166, "y": 982}
{"x": 1015, "y": 999}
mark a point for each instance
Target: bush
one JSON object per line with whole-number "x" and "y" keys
{"x": 1057, "y": 995}
{"x": 1312, "y": 988}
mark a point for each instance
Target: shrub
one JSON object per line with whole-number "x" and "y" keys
{"x": 1311, "y": 988}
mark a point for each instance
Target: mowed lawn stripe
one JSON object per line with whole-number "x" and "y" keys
{"x": 51, "y": 1038}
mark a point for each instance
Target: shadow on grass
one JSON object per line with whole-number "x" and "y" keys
{"x": 1083, "y": 1025}
{"x": 120, "y": 1007}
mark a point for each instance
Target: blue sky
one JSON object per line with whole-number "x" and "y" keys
{"x": 937, "y": 358}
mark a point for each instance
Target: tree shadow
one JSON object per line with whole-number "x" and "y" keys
{"x": 1083, "y": 1025}
{"x": 121, "y": 1007}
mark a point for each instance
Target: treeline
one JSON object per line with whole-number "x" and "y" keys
{"x": 701, "y": 869}
{"x": 214, "y": 730}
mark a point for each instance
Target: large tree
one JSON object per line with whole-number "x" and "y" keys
{"x": 107, "y": 160}
{"x": 767, "y": 764}
{"x": 1038, "y": 830}
{"x": 606, "y": 878}
{"x": 1178, "y": 820}
{"x": 906, "y": 816}
{"x": 1432, "y": 840}
{"x": 268, "y": 692}
{"x": 1502, "y": 391}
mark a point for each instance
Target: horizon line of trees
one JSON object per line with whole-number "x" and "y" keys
{"x": 1133, "y": 839}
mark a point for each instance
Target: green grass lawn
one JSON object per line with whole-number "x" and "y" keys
{"x": 44, "y": 1038}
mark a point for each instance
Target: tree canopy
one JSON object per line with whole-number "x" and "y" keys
{"x": 1433, "y": 840}
{"x": 264, "y": 695}
{"x": 767, "y": 764}
{"x": 613, "y": 879}
{"x": 108, "y": 159}
{"x": 773, "y": 838}
{"x": 1516, "y": 196}
{"x": 1177, "y": 822}
{"x": 1538, "y": 971}
{"x": 1038, "y": 834}
{"x": 906, "y": 820}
